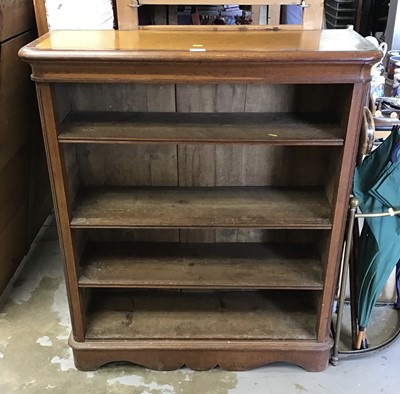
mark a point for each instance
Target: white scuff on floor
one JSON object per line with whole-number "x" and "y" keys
{"x": 65, "y": 363}
{"x": 137, "y": 381}
{"x": 60, "y": 306}
{"x": 44, "y": 341}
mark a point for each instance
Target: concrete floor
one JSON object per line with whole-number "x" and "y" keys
{"x": 35, "y": 358}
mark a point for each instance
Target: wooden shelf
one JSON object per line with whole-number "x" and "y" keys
{"x": 218, "y": 207}
{"x": 270, "y": 128}
{"x": 152, "y": 315}
{"x": 201, "y": 266}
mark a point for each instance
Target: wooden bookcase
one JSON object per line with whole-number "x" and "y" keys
{"x": 201, "y": 195}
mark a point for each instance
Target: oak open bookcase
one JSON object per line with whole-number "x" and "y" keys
{"x": 201, "y": 195}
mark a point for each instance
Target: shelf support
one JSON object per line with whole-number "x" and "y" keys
{"x": 354, "y": 203}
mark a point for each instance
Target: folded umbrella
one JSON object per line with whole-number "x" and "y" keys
{"x": 377, "y": 186}
{"x": 397, "y": 304}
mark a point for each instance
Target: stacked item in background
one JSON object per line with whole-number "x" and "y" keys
{"x": 339, "y": 14}
{"x": 392, "y": 73}
{"x": 385, "y": 92}
{"x": 208, "y": 14}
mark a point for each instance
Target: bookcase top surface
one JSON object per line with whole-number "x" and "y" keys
{"x": 290, "y": 45}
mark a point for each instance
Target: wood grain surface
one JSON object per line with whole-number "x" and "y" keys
{"x": 282, "y": 129}
{"x": 128, "y": 315}
{"x": 168, "y": 265}
{"x": 202, "y": 207}
{"x": 270, "y": 46}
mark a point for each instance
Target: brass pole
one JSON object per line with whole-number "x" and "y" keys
{"x": 345, "y": 268}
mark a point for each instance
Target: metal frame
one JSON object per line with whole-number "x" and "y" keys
{"x": 354, "y": 203}
{"x": 366, "y": 144}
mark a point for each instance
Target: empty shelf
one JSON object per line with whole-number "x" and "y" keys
{"x": 271, "y": 128}
{"x": 201, "y": 266}
{"x": 240, "y": 315}
{"x": 219, "y": 207}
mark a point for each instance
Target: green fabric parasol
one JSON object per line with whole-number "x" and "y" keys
{"x": 377, "y": 186}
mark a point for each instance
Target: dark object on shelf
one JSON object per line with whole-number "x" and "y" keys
{"x": 341, "y": 5}
{"x": 373, "y": 17}
{"x": 243, "y": 19}
{"x": 385, "y": 107}
{"x": 340, "y": 13}
{"x": 348, "y": 13}
{"x": 219, "y": 20}
{"x": 342, "y": 22}
{"x": 388, "y": 103}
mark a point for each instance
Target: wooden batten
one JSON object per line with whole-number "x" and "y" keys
{"x": 41, "y": 16}
{"x": 126, "y": 15}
